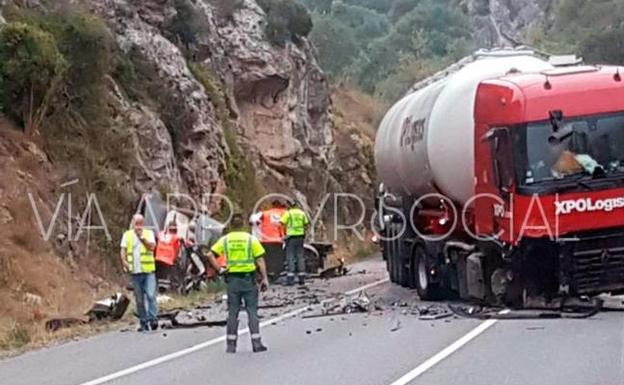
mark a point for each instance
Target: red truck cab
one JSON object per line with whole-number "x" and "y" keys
{"x": 549, "y": 175}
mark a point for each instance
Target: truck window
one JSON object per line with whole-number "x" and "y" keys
{"x": 597, "y": 144}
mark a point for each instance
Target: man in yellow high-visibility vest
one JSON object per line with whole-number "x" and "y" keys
{"x": 296, "y": 222}
{"x": 137, "y": 258}
{"x": 245, "y": 267}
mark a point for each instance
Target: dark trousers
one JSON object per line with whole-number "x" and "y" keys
{"x": 242, "y": 288}
{"x": 294, "y": 256}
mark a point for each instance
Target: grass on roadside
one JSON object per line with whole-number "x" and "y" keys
{"x": 210, "y": 293}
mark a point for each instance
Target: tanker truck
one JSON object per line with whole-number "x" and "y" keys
{"x": 502, "y": 180}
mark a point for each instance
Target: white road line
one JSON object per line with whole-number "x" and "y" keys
{"x": 452, "y": 348}
{"x": 204, "y": 345}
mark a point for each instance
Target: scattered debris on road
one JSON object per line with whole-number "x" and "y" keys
{"x": 396, "y": 327}
{"x": 163, "y": 299}
{"x": 335, "y": 271}
{"x": 112, "y": 308}
{"x": 188, "y": 319}
{"x": 558, "y": 308}
{"x": 61, "y": 323}
{"x": 433, "y": 312}
{"x": 345, "y": 305}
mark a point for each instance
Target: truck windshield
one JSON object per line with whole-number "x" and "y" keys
{"x": 596, "y": 147}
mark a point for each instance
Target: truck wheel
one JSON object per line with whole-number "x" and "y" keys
{"x": 401, "y": 265}
{"x": 411, "y": 272}
{"x": 392, "y": 252}
{"x": 392, "y": 265}
{"x": 427, "y": 290}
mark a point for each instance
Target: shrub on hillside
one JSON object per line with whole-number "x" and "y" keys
{"x": 188, "y": 23}
{"x": 226, "y": 8}
{"x": 287, "y": 20}
{"x": 31, "y": 68}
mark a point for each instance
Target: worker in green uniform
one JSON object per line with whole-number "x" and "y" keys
{"x": 296, "y": 222}
{"x": 245, "y": 270}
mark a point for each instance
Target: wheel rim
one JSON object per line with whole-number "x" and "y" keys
{"x": 423, "y": 279}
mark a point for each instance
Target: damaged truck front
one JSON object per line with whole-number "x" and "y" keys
{"x": 503, "y": 180}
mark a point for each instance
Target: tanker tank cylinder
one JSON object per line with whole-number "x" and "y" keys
{"x": 425, "y": 142}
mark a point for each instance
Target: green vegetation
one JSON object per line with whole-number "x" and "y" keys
{"x": 187, "y": 24}
{"x": 70, "y": 54}
{"x": 382, "y": 46}
{"x": 18, "y": 337}
{"x": 592, "y": 28}
{"x": 287, "y": 20}
{"x": 31, "y": 68}
{"x": 126, "y": 75}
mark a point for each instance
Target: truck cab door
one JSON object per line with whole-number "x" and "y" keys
{"x": 495, "y": 181}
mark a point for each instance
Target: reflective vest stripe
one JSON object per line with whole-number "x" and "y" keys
{"x": 148, "y": 263}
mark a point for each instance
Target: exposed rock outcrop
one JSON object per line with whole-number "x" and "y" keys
{"x": 505, "y": 22}
{"x": 278, "y": 100}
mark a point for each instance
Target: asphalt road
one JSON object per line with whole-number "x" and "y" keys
{"x": 389, "y": 347}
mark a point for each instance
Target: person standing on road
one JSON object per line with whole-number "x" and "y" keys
{"x": 245, "y": 268}
{"x": 166, "y": 253}
{"x": 296, "y": 221}
{"x": 137, "y": 258}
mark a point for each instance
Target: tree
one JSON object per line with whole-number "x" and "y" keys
{"x": 335, "y": 54}
{"x": 286, "y": 20}
{"x": 187, "y": 24}
{"x": 605, "y": 46}
{"x": 31, "y": 69}
{"x": 366, "y": 24}
{"x": 320, "y": 6}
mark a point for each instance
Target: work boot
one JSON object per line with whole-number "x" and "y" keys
{"x": 256, "y": 345}
{"x": 230, "y": 347}
{"x": 143, "y": 327}
{"x": 153, "y": 325}
{"x": 290, "y": 280}
{"x": 301, "y": 280}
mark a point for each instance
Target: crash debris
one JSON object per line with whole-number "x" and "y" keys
{"x": 111, "y": 308}
{"x": 188, "y": 319}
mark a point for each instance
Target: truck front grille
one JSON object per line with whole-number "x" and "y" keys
{"x": 598, "y": 264}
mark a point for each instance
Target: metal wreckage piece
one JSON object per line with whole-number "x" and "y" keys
{"x": 345, "y": 305}
{"x": 180, "y": 318}
{"x": 111, "y": 308}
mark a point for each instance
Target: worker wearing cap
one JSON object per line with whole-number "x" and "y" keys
{"x": 245, "y": 268}
{"x": 296, "y": 221}
{"x": 137, "y": 258}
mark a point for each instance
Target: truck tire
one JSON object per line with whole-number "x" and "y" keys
{"x": 427, "y": 291}
{"x": 401, "y": 265}
{"x": 392, "y": 263}
{"x": 391, "y": 254}
{"x": 411, "y": 271}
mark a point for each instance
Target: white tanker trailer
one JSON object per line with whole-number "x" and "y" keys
{"x": 472, "y": 164}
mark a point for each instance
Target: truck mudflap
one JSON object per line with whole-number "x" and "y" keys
{"x": 593, "y": 263}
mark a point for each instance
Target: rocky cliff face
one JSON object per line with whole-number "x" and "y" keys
{"x": 277, "y": 100}
{"x": 223, "y": 97}
{"x": 227, "y": 112}
{"x": 505, "y": 22}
